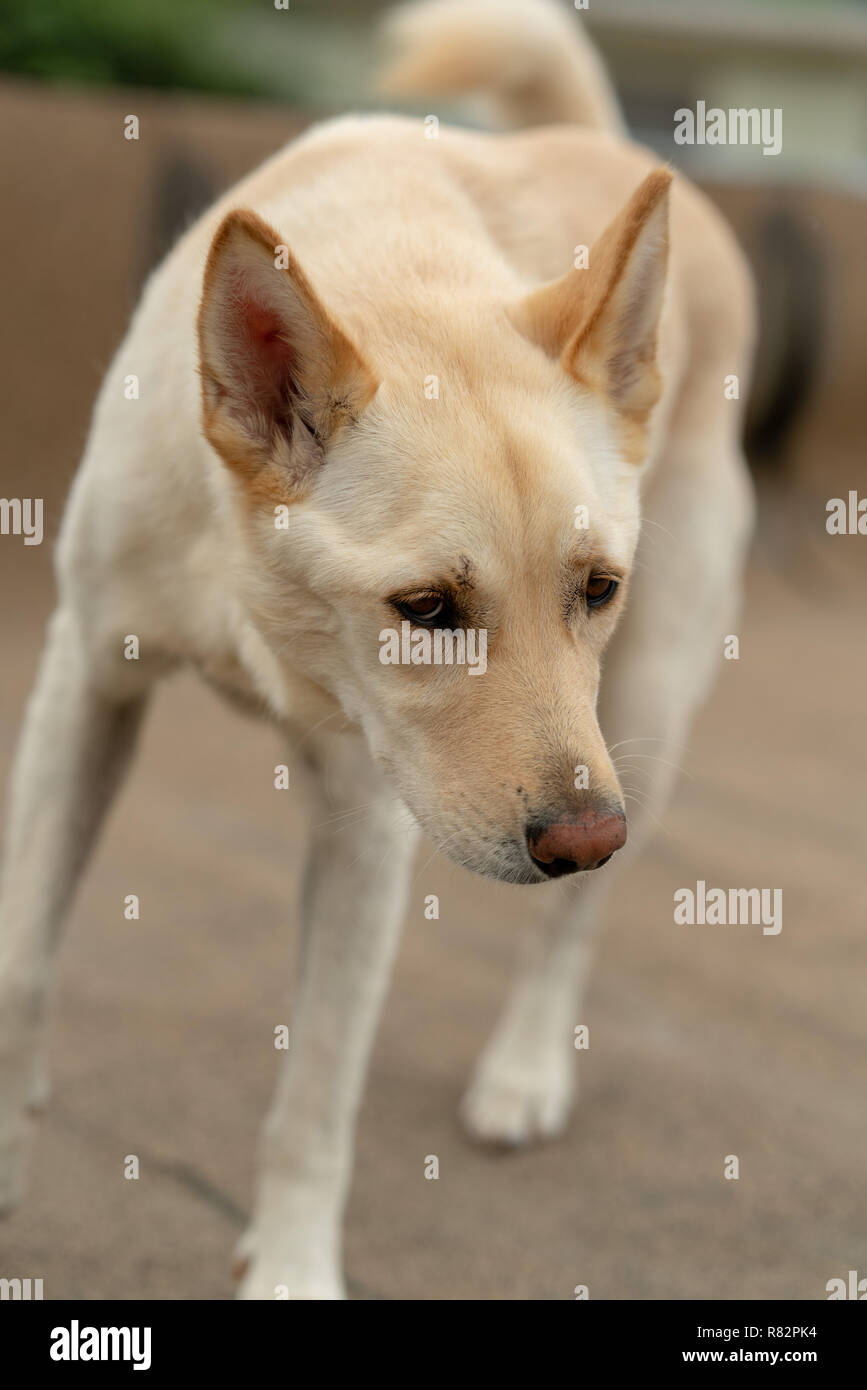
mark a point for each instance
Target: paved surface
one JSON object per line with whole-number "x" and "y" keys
{"x": 704, "y": 1041}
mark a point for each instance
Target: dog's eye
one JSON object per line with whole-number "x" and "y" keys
{"x": 425, "y": 609}
{"x": 600, "y": 590}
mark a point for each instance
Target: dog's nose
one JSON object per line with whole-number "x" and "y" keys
{"x": 573, "y": 846}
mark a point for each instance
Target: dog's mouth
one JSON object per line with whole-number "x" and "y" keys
{"x": 552, "y": 843}
{"x": 508, "y": 861}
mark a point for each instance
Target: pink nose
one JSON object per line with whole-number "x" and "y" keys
{"x": 570, "y": 847}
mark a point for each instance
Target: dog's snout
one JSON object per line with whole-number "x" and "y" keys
{"x": 576, "y": 845}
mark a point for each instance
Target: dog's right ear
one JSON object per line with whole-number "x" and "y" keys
{"x": 278, "y": 375}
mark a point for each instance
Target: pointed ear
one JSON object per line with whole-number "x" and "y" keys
{"x": 278, "y": 375}
{"x": 602, "y": 322}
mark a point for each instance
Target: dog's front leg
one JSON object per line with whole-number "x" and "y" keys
{"x": 352, "y": 909}
{"x": 76, "y": 742}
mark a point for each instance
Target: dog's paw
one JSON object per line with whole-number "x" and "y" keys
{"x": 275, "y": 1278}
{"x": 512, "y": 1103}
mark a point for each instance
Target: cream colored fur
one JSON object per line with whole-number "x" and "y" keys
{"x": 408, "y": 259}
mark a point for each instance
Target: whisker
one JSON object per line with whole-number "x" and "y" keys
{"x": 345, "y": 815}
{"x": 648, "y": 521}
{"x": 438, "y": 850}
{"x": 652, "y": 757}
{"x": 647, "y": 811}
{"x": 318, "y": 725}
{"x": 682, "y": 747}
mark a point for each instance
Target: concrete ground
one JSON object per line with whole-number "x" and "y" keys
{"x": 705, "y": 1041}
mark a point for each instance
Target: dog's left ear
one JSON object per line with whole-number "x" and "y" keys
{"x": 601, "y": 322}
{"x": 278, "y": 374}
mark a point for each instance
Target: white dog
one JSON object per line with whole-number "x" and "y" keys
{"x": 382, "y": 383}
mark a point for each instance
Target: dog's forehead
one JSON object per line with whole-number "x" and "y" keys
{"x": 480, "y": 471}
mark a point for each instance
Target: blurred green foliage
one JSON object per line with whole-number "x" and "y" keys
{"x": 240, "y": 47}
{"x": 148, "y": 42}
{"x": 313, "y": 55}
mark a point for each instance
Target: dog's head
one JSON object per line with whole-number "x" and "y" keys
{"x": 441, "y": 511}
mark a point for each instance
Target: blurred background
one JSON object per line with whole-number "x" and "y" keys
{"x": 703, "y": 1045}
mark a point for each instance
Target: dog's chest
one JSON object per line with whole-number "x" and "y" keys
{"x": 226, "y": 675}
{"x": 250, "y": 679}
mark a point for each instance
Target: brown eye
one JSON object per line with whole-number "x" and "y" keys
{"x": 424, "y": 609}
{"x": 600, "y": 590}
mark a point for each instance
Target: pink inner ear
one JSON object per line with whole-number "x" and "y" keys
{"x": 266, "y": 340}
{"x": 263, "y": 363}
{"x": 263, "y": 327}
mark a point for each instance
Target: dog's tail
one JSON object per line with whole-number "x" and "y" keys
{"x": 531, "y": 56}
